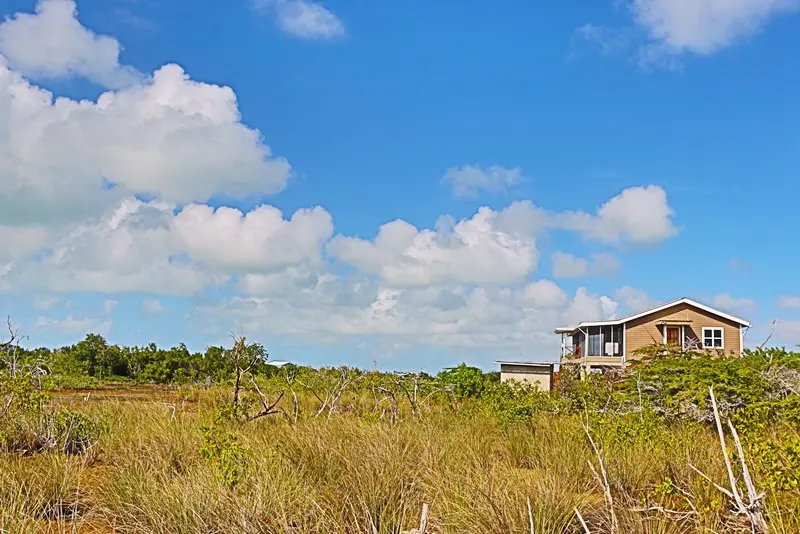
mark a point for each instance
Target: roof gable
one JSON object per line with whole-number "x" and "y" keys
{"x": 657, "y": 309}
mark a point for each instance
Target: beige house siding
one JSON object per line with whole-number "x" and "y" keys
{"x": 646, "y": 330}
{"x": 534, "y": 375}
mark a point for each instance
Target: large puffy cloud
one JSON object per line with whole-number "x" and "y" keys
{"x": 473, "y": 251}
{"x": 498, "y": 247}
{"x": 639, "y": 215}
{"x": 173, "y": 138}
{"x": 704, "y": 26}
{"x": 51, "y": 43}
{"x": 586, "y": 306}
{"x": 259, "y": 240}
{"x": 147, "y": 247}
{"x": 130, "y": 249}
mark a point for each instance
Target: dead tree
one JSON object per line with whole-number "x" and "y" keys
{"x": 244, "y": 358}
{"x": 390, "y": 395}
{"x": 602, "y": 480}
{"x": 331, "y": 389}
{"x": 291, "y": 378}
{"x": 752, "y": 508}
{"x": 9, "y": 348}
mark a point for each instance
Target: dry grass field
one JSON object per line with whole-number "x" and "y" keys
{"x": 163, "y": 465}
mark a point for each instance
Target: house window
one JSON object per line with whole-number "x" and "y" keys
{"x": 713, "y": 338}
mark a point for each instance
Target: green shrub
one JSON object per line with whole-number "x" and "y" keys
{"x": 467, "y": 382}
{"x": 223, "y": 453}
{"x": 515, "y": 401}
{"x": 778, "y": 462}
{"x": 76, "y": 433}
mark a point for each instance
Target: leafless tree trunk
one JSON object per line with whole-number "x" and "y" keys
{"x": 604, "y": 480}
{"x": 391, "y": 395}
{"x": 751, "y": 509}
{"x": 10, "y": 347}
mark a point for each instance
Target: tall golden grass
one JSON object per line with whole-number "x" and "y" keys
{"x": 354, "y": 474}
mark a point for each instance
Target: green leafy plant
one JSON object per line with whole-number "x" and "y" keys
{"x": 77, "y": 433}
{"x": 778, "y": 462}
{"x": 467, "y": 382}
{"x": 222, "y": 451}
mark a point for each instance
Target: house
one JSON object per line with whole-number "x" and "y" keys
{"x": 603, "y": 345}
{"x": 535, "y": 373}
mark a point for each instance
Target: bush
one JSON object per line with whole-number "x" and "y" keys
{"x": 778, "y": 462}
{"x": 223, "y": 453}
{"x": 29, "y": 424}
{"x": 76, "y": 433}
{"x": 467, "y": 382}
{"x": 515, "y": 401}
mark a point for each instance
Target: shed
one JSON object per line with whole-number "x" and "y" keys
{"x": 534, "y": 373}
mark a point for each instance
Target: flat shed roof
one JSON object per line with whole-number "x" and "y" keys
{"x": 530, "y": 364}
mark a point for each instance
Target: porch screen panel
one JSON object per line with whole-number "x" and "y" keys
{"x": 595, "y": 341}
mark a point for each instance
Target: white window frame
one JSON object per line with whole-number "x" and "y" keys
{"x": 722, "y": 336}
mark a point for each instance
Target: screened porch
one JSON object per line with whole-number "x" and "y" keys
{"x": 594, "y": 344}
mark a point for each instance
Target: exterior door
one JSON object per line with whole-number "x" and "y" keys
{"x": 673, "y": 336}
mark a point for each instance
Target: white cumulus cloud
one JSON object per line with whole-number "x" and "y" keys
{"x": 586, "y": 306}
{"x": 704, "y": 26}
{"x": 662, "y": 31}
{"x": 638, "y": 215}
{"x": 258, "y": 240}
{"x": 147, "y": 247}
{"x": 52, "y": 43}
{"x": 473, "y": 251}
{"x": 173, "y": 138}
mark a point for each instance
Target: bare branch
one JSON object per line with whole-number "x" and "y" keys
{"x": 583, "y": 523}
{"x": 771, "y": 331}
{"x": 530, "y": 515}
{"x": 269, "y": 408}
{"x": 604, "y": 481}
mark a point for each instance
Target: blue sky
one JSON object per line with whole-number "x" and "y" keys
{"x": 403, "y": 185}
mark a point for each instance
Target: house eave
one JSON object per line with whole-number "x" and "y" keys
{"x": 690, "y": 302}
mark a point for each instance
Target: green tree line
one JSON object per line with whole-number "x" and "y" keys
{"x": 93, "y": 357}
